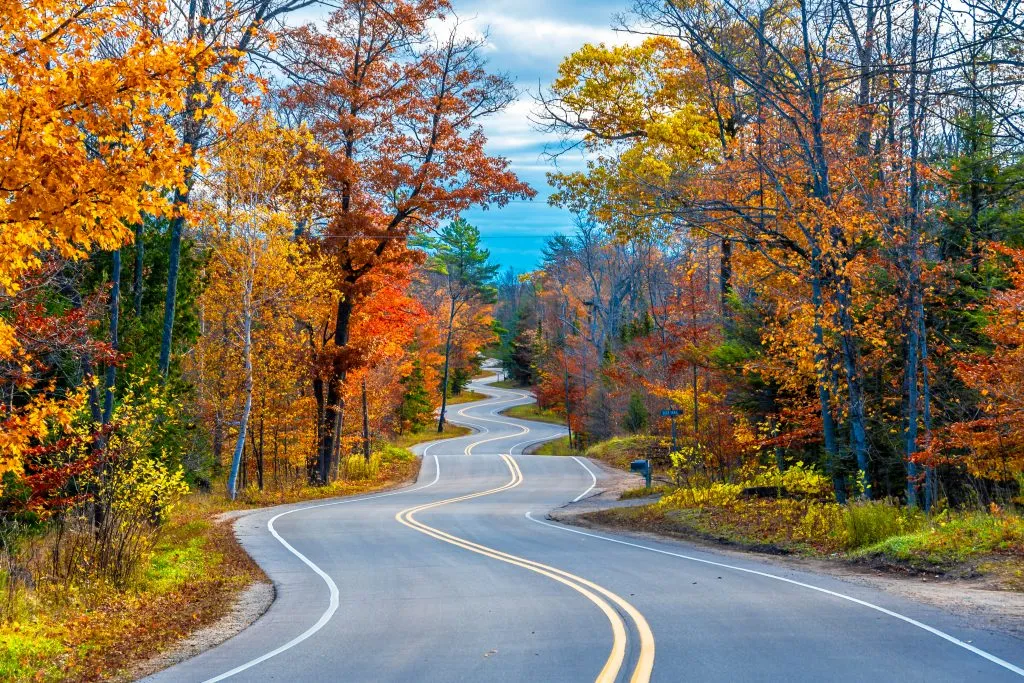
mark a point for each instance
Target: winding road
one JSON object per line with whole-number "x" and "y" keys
{"x": 460, "y": 577}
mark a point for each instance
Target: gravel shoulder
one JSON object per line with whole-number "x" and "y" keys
{"x": 249, "y": 605}
{"x": 978, "y": 601}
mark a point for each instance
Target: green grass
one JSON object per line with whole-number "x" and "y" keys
{"x": 466, "y": 397}
{"x": 181, "y": 557}
{"x": 508, "y": 384}
{"x": 555, "y": 447}
{"x": 953, "y": 539}
{"x": 410, "y": 439}
{"x": 871, "y": 522}
{"x": 531, "y": 411}
{"x": 619, "y": 451}
{"x": 643, "y": 492}
{"x": 23, "y": 656}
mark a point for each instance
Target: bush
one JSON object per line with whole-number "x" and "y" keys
{"x": 357, "y": 467}
{"x": 712, "y": 495}
{"x": 955, "y": 538}
{"x": 391, "y": 453}
{"x": 798, "y": 481}
{"x": 869, "y": 522}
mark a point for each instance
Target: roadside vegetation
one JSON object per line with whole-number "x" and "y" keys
{"x": 531, "y": 411}
{"x": 794, "y": 511}
{"x": 465, "y": 396}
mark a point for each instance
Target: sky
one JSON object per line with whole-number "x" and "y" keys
{"x": 528, "y": 39}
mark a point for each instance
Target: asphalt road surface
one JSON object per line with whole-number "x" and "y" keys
{"x": 461, "y": 577}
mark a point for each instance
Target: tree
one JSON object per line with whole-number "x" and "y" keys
{"x": 259, "y": 274}
{"x": 416, "y": 408}
{"x": 466, "y": 276}
{"x": 228, "y": 32}
{"x": 84, "y": 118}
{"x": 398, "y": 111}
{"x": 637, "y": 416}
{"x": 90, "y": 146}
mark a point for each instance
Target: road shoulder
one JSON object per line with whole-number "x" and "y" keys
{"x": 977, "y": 601}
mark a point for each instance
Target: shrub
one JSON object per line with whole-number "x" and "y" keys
{"x": 391, "y": 453}
{"x": 798, "y": 480}
{"x": 712, "y": 495}
{"x": 636, "y": 414}
{"x": 357, "y": 467}
{"x": 869, "y": 522}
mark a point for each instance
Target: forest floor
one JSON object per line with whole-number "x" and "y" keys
{"x": 196, "y": 588}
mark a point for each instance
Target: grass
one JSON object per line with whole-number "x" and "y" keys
{"x": 95, "y": 634}
{"x": 619, "y": 451}
{"x": 508, "y": 384}
{"x": 531, "y": 411}
{"x": 27, "y": 655}
{"x": 951, "y": 540}
{"x": 410, "y": 439}
{"x": 466, "y": 396}
{"x": 555, "y": 447}
{"x": 643, "y": 492}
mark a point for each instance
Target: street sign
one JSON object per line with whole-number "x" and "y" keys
{"x": 670, "y": 413}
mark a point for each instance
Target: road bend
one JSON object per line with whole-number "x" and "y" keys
{"x": 460, "y": 577}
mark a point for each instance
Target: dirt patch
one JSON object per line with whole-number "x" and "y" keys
{"x": 611, "y": 484}
{"x": 249, "y": 605}
{"x": 981, "y": 601}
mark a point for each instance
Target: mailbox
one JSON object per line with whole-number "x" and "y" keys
{"x": 644, "y": 468}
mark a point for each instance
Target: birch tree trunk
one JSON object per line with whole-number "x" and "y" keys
{"x": 243, "y": 422}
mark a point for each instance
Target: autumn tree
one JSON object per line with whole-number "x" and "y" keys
{"x": 465, "y": 273}
{"x": 232, "y": 34}
{"x": 259, "y": 274}
{"x": 90, "y": 91}
{"x": 398, "y": 109}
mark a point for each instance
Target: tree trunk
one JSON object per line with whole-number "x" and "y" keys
{"x": 914, "y": 294}
{"x": 568, "y": 408}
{"x": 181, "y": 200}
{"x": 366, "y": 424}
{"x": 330, "y": 425}
{"x": 444, "y": 381}
{"x": 140, "y": 253}
{"x": 243, "y": 422}
{"x": 854, "y": 384}
{"x": 725, "y": 276}
{"x": 828, "y": 424}
{"x": 115, "y": 314}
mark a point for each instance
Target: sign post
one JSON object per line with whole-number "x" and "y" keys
{"x": 673, "y": 413}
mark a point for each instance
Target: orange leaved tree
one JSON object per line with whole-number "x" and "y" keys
{"x": 398, "y": 108}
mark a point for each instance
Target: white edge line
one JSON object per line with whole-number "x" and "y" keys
{"x": 593, "y": 478}
{"x": 333, "y": 587}
{"x": 913, "y": 622}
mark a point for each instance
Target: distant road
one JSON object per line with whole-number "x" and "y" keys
{"x": 451, "y": 580}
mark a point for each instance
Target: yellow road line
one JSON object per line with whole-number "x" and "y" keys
{"x": 612, "y": 666}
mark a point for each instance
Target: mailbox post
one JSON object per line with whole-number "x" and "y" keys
{"x": 644, "y": 468}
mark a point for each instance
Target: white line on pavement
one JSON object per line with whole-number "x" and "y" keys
{"x": 896, "y": 615}
{"x": 593, "y": 478}
{"x": 333, "y": 587}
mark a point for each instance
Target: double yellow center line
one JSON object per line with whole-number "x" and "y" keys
{"x": 590, "y": 590}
